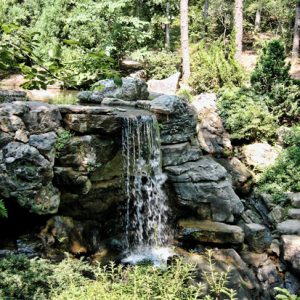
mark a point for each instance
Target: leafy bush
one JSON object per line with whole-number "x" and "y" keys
{"x": 284, "y": 294}
{"x": 63, "y": 138}
{"x": 271, "y": 68}
{"x": 285, "y": 102}
{"x": 23, "y": 278}
{"x": 3, "y": 211}
{"x": 245, "y": 115}
{"x": 158, "y": 65}
{"x": 214, "y": 67}
{"x": 284, "y": 175}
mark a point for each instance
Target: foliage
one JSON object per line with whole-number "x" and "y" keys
{"x": 284, "y": 294}
{"x": 285, "y": 102}
{"x": 271, "y": 68}
{"x": 185, "y": 94}
{"x": 284, "y": 175}
{"x": 214, "y": 67}
{"x": 24, "y": 278}
{"x": 3, "y": 211}
{"x": 62, "y": 139}
{"x": 64, "y": 99}
{"x": 217, "y": 281}
{"x": 245, "y": 115}
{"x": 158, "y": 65}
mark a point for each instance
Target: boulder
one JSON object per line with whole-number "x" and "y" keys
{"x": 211, "y": 232}
{"x": 276, "y": 215}
{"x": 176, "y": 119}
{"x": 294, "y": 213}
{"x": 27, "y": 176}
{"x": 291, "y": 251}
{"x": 131, "y": 89}
{"x": 205, "y": 182}
{"x": 258, "y": 237}
{"x": 178, "y": 154}
{"x": 167, "y": 86}
{"x": 41, "y": 117}
{"x": 295, "y": 199}
{"x": 87, "y": 123}
{"x": 11, "y": 95}
{"x": 210, "y": 130}
{"x": 242, "y": 178}
{"x": 289, "y": 227}
{"x": 260, "y": 155}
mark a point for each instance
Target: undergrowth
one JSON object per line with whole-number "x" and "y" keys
{"x": 23, "y": 278}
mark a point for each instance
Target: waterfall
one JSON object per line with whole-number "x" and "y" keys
{"x": 146, "y": 206}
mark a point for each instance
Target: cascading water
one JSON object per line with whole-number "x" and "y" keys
{"x": 146, "y": 204}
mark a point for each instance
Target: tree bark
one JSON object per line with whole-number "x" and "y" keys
{"x": 205, "y": 15}
{"x": 257, "y": 19}
{"x": 238, "y": 26}
{"x": 296, "y": 39}
{"x": 184, "y": 28}
{"x": 168, "y": 26}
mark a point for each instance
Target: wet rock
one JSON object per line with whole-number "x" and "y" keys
{"x": 118, "y": 102}
{"x": 16, "y": 108}
{"x": 211, "y": 133}
{"x": 69, "y": 180}
{"x": 294, "y": 213}
{"x": 64, "y": 233}
{"x": 11, "y": 123}
{"x": 178, "y": 154}
{"x": 166, "y": 86}
{"x": 87, "y": 123}
{"x": 211, "y": 232}
{"x": 289, "y": 227}
{"x": 5, "y": 138}
{"x": 260, "y": 155}
{"x": 81, "y": 109}
{"x": 41, "y": 117}
{"x": 258, "y": 237}
{"x": 291, "y": 251}
{"x": 166, "y": 105}
{"x": 131, "y": 89}
{"x": 268, "y": 275}
{"x": 205, "y": 181}
{"x": 242, "y": 178}
{"x": 292, "y": 283}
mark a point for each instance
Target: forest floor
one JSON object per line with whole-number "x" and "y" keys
{"x": 249, "y": 59}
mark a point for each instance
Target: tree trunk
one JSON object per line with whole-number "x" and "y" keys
{"x": 205, "y": 14}
{"x": 296, "y": 39}
{"x": 238, "y": 24}
{"x": 184, "y": 27}
{"x": 257, "y": 19}
{"x": 168, "y": 26}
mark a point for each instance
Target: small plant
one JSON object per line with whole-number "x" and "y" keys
{"x": 217, "y": 281}
{"x": 3, "y": 211}
{"x": 284, "y": 294}
{"x": 185, "y": 94}
{"x": 63, "y": 138}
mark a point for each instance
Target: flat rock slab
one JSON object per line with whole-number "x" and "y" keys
{"x": 83, "y": 109}
{"x": 294, "y": 213}
{"x": 289, "y": 227}
{"x": 211, "y": 232}
{"x": 291, "y": 250}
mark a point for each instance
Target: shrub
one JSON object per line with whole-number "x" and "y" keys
{"x": 63, "y": 138}
{"x": 284, "y": 175}
{"x": 285, "y": 102}
{"x": 158, "y": 65}
{"x": 213, "y": 68}
{"x": 245, "y": 115}
{"x": 271, "y": 68}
